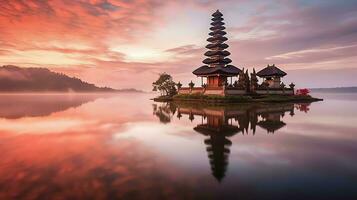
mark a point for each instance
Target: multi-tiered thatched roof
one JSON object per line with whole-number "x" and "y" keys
{"x": 217, "y": 62}
{"x": 271, "y": 70}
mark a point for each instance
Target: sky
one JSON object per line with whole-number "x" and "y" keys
{"x": 128, "y": 43}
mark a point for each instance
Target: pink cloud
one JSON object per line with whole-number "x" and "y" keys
{"x": 84, "y": 33}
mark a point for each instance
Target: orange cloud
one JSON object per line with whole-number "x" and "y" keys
{"x": 73, "y": 35}
{"x": 122, "y": 43}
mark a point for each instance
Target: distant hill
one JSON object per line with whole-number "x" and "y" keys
{"x": 17, "y": 79}
{"x": 130, "y": 90}
{"x": 335, "y": 90}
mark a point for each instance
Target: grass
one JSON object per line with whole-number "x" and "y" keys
{"x": 243, "y": 98}
{"x": 237, "y": 98}
{"x": 287, "y": 98}
{"x": 212, "y": 98}
{"x": 163, "y": 99}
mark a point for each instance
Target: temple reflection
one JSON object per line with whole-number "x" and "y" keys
{"x": 239, "y": 119}
{"x": 217, "y": 144}
{"x": 220, "y": 123}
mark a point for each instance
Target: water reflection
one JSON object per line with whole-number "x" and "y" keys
{"x": 33, "y": 105}
{"x": 219, "y": 123}
{"x": 164, "y": 112}
{"x": 112, "y": 148}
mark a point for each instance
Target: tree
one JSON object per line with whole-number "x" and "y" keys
{"x": 165, "y": 85}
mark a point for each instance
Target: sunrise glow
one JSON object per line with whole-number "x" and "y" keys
{"x": 105, "y": 41}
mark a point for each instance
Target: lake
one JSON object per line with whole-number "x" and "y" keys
{"x": 125, "y": 146}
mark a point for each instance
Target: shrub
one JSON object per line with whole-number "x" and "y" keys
{"x": 214, "y": 96}
{"x": 303, "y": 92}
{"x": 189, "y": 96}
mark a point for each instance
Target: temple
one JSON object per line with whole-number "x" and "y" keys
{"x": 272, "y": 76}
{"x": 217, "y": 68}
{"x": 219, "y": 73}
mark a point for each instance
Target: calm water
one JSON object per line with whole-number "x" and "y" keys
{"x": 128, "y": 147}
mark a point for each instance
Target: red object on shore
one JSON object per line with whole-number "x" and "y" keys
{"x": 302, "y": 92}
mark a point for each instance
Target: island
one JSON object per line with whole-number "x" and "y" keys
{"x": 217, "y": 71}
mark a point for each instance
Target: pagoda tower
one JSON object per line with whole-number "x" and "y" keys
{"x": 217, "y": 66}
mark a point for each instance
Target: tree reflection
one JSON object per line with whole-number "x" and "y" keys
{"x": 164, "y": 112}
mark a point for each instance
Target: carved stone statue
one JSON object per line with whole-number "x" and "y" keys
{"x": 247, "y": 81}
{"x": 179, "y": 85}
{"x": 241, "y": 80}
{"x": 191, "y": 85}
{"x": 292, "y": 85}
{"x": 253, "y": 81}
{"x": 282, "y": 85}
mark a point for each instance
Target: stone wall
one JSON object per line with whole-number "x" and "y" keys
{"x": 235, "y": 92}
{"x": 197, "y": 90}
{"x": 187, "y": 90}
{"x": 231, "y": 91}
{"x": 184, "y": 90}
{"x": 215, "y": 92}
{"x": 275, "y": 91}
